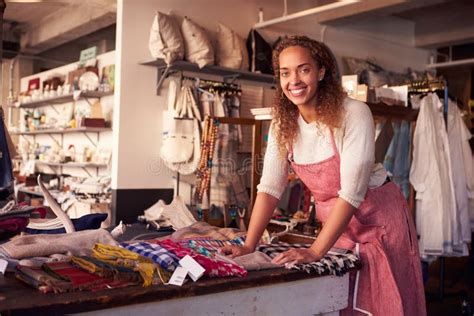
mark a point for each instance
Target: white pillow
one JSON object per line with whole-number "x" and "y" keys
{"x": 166, "y": 40}
{"x": 231, "y": 49}
{"x": 197, "y": 46}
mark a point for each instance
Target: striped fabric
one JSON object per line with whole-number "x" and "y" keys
{"x": 211, "y": 245}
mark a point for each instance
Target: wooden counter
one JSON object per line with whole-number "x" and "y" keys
{"x": 276, "y": 291}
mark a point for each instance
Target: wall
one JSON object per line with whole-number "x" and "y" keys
{"x": 137, "y": 138}
{"x": 389, "y": 41}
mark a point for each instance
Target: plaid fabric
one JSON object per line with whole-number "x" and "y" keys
{"x": 213, "y": 267}
{"x": 335, "y": 262}
{"x": 211, "y": 245}
{"x": 166, "y": 259}
{"x": 272, "y": 250}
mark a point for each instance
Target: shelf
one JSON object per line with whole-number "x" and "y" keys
{"x": 226, "y": 73}
{"x": 393, "y": 111}
{"x": 31, "y": 192}
{"x": 65, "y": 131}
{"x": 62, "y": 99}
{"x": 71, "y": 164}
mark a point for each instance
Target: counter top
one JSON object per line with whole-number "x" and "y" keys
{"x": 18, "y": 298}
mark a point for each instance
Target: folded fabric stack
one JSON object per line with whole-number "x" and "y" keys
{"x": 212, "y": 245}
{"x": 106, "y": 270}
{"x": 212, "y": 265}
{"x": 108, "y": 267}
{"x": 61, "y": 277}
{"x": 150, "y": 272}
{"x": 204, "y": 230}
{"x": 77, "y": 243}
{"x": 13, "y": 219}
{"x": 335, "y": 262}
{"x": 166, "y": 259}
{"x": 55, "y": 225}
{"x": 167, "y": 254}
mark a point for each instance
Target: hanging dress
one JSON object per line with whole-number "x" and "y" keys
{"x": 382, "y": 233}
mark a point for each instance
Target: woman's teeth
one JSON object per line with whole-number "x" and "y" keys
{"x": 297, "y": 92}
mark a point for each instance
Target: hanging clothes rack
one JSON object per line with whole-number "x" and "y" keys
{"x": 226, "y": 74}
{"x": 212, "y": 85}
{"x": 440, "y": 87}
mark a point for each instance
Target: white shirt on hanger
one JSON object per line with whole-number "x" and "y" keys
{"x": 431, "y": 176}
{"x": 462, "y": 169}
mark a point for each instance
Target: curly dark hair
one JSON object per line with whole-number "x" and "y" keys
{"x": 330, "y": 94}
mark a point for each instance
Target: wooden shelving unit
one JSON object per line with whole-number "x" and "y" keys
{"x": 62, "y": 99}
{"x": 65, "y": 131}
{"x": 227, "y": 74}
{"x": 393, "y": 111}
{"x": 72, "y": 164}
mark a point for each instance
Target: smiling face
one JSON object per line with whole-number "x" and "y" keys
{"x": 299, "y": 75}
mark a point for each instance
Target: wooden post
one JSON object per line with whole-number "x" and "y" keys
{"x": 256, "y": 160}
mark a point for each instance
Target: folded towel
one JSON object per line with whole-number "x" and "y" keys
{"x": 76, "y": 243}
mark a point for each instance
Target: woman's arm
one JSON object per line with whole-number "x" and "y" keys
{"x": 261, "y": 214}
{"x": 335, "y": 225}
{"x": 271, "y": 186}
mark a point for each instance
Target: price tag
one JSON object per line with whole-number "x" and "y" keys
{"x": 3, "y": 265}
{"x": 179, "y": 276}
{"x": 195, "y": 270}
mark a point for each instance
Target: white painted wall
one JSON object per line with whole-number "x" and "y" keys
{"x": 139, "y": 117}
{"x": 137, "y": 137}
{"x": 388, "y": 41}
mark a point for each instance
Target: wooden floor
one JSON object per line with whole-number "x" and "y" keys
{"x": 459, "y": 286}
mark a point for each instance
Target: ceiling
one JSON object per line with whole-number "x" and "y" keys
{"x": 31, "y": 12}
{"x": 40, "y": 25}
{"x": 438, "y": 23}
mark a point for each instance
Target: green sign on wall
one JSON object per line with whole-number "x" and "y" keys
{"x": 86, "y": 54}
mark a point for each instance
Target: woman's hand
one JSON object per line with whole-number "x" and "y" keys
{"x": 235, "y": 251}
{"x": 295, "y": 256}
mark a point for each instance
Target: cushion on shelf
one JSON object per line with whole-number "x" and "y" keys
{"x": 231, "y": 49}
{"x": 165, "y": 39}
{"x": 197, "y": 46}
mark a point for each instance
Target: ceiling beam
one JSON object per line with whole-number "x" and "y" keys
{"x": 447, "y": 27}
{"x": 360, "y": 9}
{"x": 67, "y": 24}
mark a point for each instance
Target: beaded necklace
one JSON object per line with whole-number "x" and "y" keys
{"x": 208, "y": 143}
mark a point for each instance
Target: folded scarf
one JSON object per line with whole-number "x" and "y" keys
{"x": 213, "y": 267}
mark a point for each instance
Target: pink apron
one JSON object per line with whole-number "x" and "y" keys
{"x": 382, "y": 233}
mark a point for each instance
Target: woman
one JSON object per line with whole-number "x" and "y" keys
{"x": 328, "y": 139}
